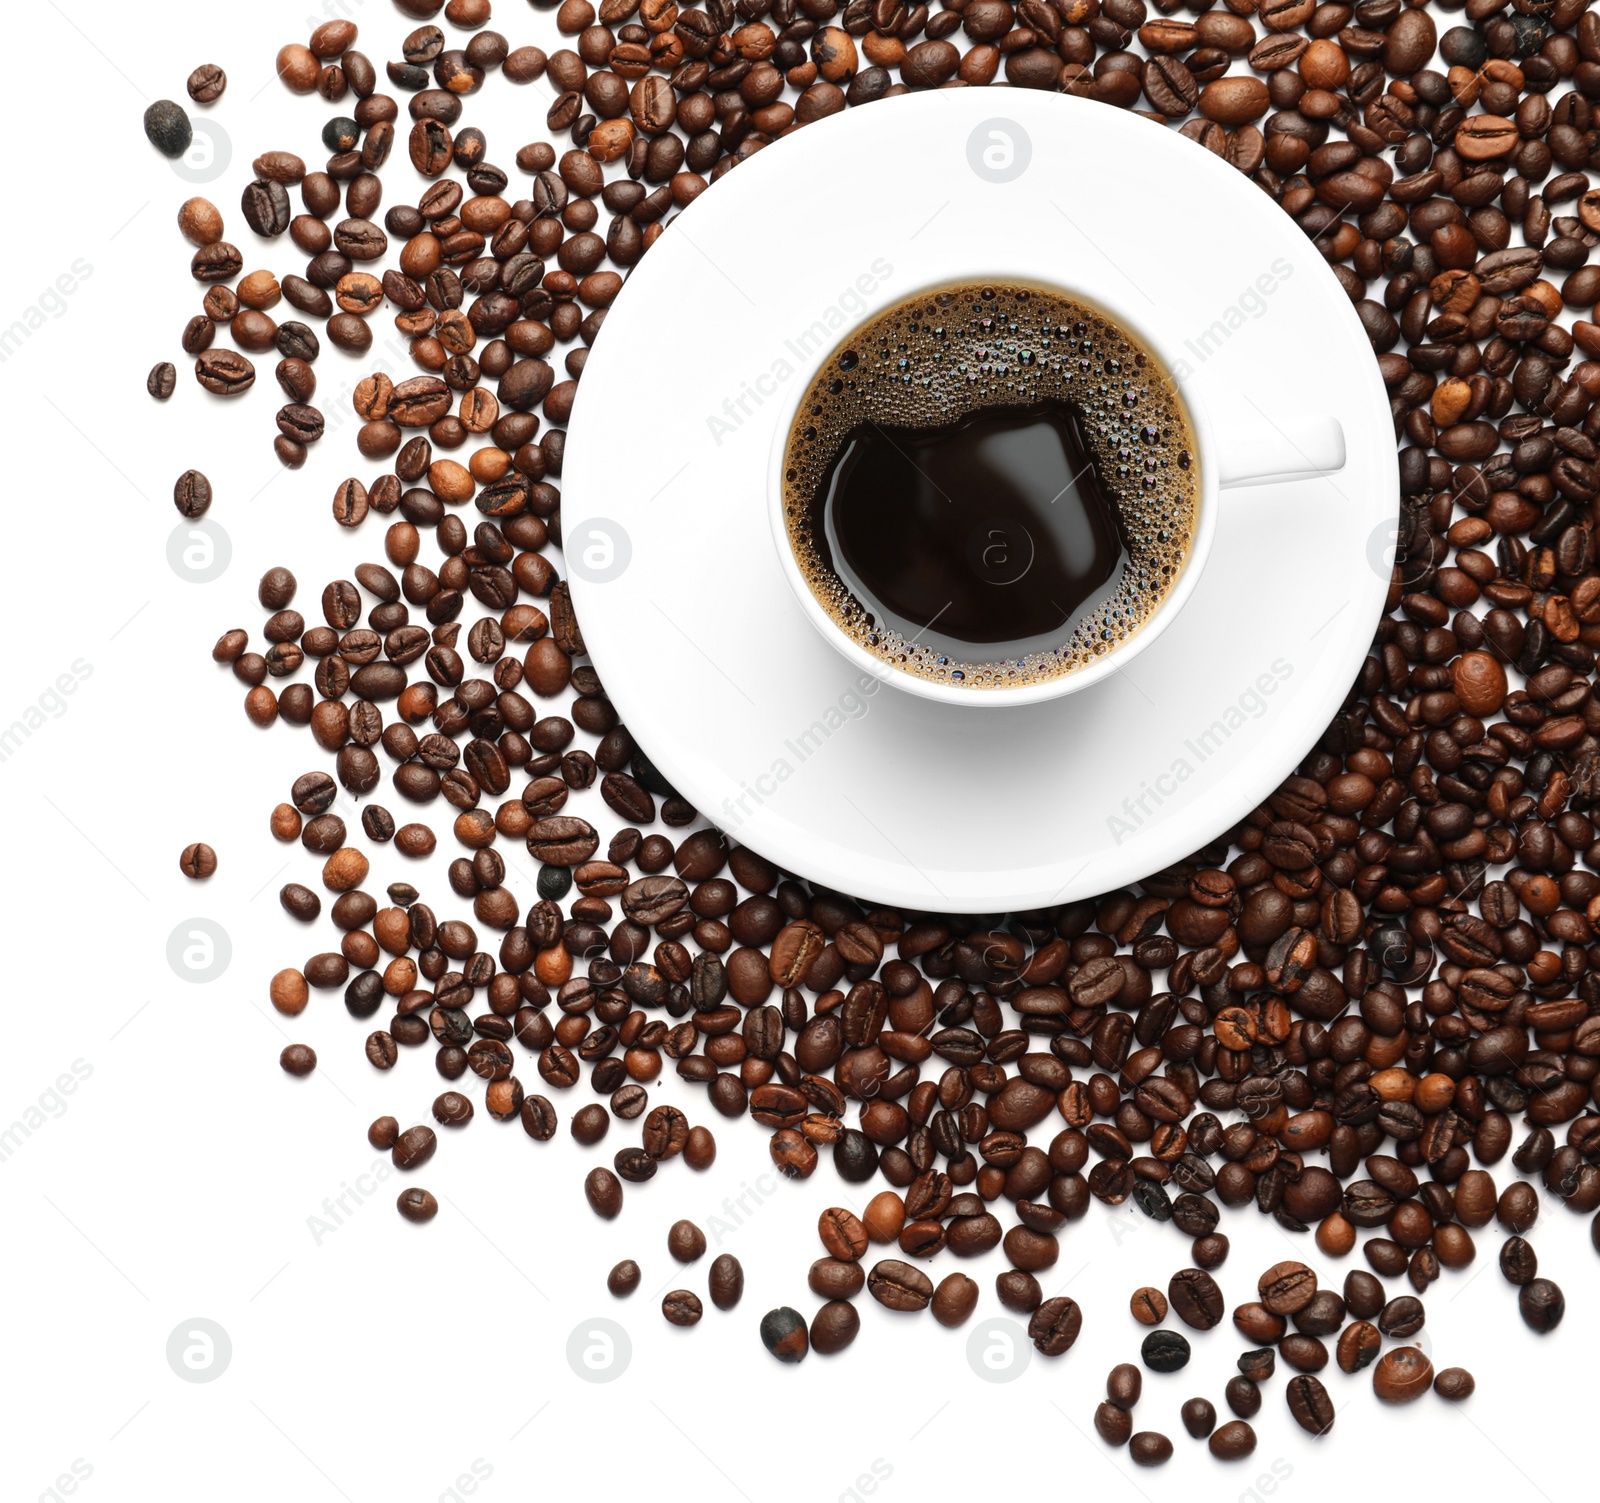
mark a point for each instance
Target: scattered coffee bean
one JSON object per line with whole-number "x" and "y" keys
{"x": 416, "y": 1204}
{"x": 1150, "y": 1448}
{"x": 1309, "y": 1404}
{"x": 1542, "y": 1305}
{"x": 301, "y": 1059}
{"x": 783, "y": 1333}
{"x": 167, "y": 126}
{"x": 682, "y": 1307}
{"x": 197, "y": 861}
{"x": 1149, "y": 1306}
{"x": 1402, "y": 1375}
{"x": 1199, "y": 1417}
{"x": 686, "y": 1242}
{"x": 1232, "y": 1441}
{"x": 1164, "y": 1352}
{"x": 726, "y": 1281}
{"x": 834, "y": 1327}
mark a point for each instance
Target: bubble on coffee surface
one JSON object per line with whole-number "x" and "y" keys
{"x": 951, "y": 352}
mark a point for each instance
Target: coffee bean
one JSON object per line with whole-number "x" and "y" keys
{"x": 899, "y": 1286}
{"x": 783, "y": 1333}
{"x": 604, "y": 1193}
{"x": 417, "y": 1204}
{"x": 682, "y": 1307}
{"x": 1243, "y": 1397}
{"x": 623, "y": 1278}
{"x": 1149, "y": 1306}
{"x": 1402, "y": 1317}
{"x": 1232, "y": 1441}
{"x": 1402, "y": 1375}
{"x": 1309, "y": 1404}
{"x": 197, "y": 861}
{"x": 224, "y": 374}
{"x": 1199, "y": 1417}
{"x": 1113, "y": 1425}
{"x": 1257, "y": 1364}
{"x": 686, "y": 1242}
{"x": 954, "y": 1300}
{"x": 1454, "y": 1383}
{"x": 1055, "y": 1325}
{"x": 1164, "y": 1352}
{"x": 538, "y": 1118}
{"x": 162, "y": 380}
{"x": 1287, "y": 1287}
{"x": 301, "y": 1059}
{"x": 206, "y": 84}
{"x": 1359, "y": 1345}
{"x": 1196, "y": 1299}
{"x": 166, "y": 125}
{"x": 1541, "y": 1304}
{"x": 1124, "y": 1384}
{"x": 1150, "y": 1448}
{"x": 834, "y": 1327}
{"x": 590, "y": 1124}
{"x": 842, "y": 1234}
{"x": 726, "y": 1281}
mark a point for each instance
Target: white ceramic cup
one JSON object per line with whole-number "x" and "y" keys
{"x": 1250, "y": 446}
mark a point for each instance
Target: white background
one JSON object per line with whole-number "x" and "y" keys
{"x": 179, "y": 1180}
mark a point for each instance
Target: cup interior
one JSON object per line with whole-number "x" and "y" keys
{"x": 1035, "y": 691}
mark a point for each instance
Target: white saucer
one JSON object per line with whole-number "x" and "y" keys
{"x": 774, "y": 735}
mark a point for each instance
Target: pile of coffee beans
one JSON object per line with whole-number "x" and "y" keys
{"x": 1346, "y": 1011}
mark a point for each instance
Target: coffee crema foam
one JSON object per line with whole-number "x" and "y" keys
{"x": 951, "y": 351}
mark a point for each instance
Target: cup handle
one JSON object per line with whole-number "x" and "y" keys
{"x": 1254, "y": 449}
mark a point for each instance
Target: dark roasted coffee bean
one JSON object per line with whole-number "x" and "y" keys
{"x": 834, "y": 1327}
{"x": 1309, "y": 1404}
{"x": 416, "y": 1204}
{"x": 686, "y": 1242}
{"x": 604, "y": 1193}
{"x": 784, "y": 1334}
{"x": 1541, "y": 1305}
{"x": 1055, "y": 1325}
{"x": 1195, "y": 1298}
{"x": 1232, "y": 1441}
{"x": 1150, "y": 1448}
{"x": 1199, "y": 1417}
{"x": 624, "y": 1278}
{"x": 167, "y": 127}
{"x": 726, "y": 1281}
{"x": 1164, "y": 1352}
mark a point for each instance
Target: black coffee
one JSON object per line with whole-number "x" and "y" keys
{"x": 991, "y": 485}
